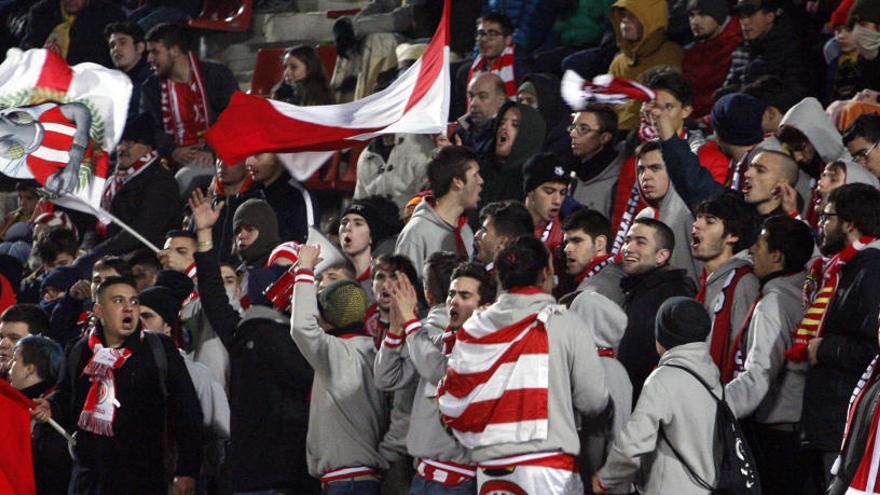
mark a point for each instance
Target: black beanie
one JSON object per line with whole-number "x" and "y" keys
{"x": 541, "y": 168}
{"x": 381, "y": 216}
{"x": 737, "y": 119}
{"x": 682, "y": 320}
{"x": 167, "y": 296}
{"x": 716, "y": 9}
{"x": 865, "y": 10}
{"x": 140, "y": 130}
{"x": 258, "y": 214}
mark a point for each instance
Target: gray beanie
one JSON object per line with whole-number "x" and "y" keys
{"x": 682, "y": 320}
{"x": 716, "y": 9}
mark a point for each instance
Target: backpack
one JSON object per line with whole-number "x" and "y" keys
{"x": 737, "y": 473}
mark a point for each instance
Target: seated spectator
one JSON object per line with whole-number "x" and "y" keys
{"x": 393, "y": 166}
{"x": 598, "y": 160}
{"x": 519, "y": 132}
{"x": 501, "y": 223}
{"x": 359, "y": 60}
{"x": 36, "y": 366}
{"x": 476, "y": 129}
{"x": 128, "y": 52}
{"x": 57, "y": 248}
{"x": 531, "y": 22}
{"x": 865, "y": 19}
{"x": 194, "y": 93}
{"x": 587, "y": 256}
{"x": 497, "y": 54}
{"x": 304, "y": 82}
{"x": 142, "y": 193}
{"x": 16, "y": 323}
{"x": 583, "y": 25}
{"x": 844, "y": 75}
{"x": 541, "y": 92}
{"x": 640, "y": 28}
{"x": 707, "y": 60}
{"x": 26, "y": 198}
{"x": 770, "y": 46}
{"x": 292, "y": 203}
{"x": 657, "y": 426}
{"x": 72, "y": 29}
{"x": 862, "y": 139}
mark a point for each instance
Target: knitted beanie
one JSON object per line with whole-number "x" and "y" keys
{"x": 343, "y": 304}
{"x": 682, "y": 320}
{"x": 716, "y": 9}
{"x": 737, "y": 118}
{"x": 541, "y": 168}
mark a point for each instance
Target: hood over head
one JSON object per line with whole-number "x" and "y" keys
{"x": 654, "y": 17}
{"x": 810, "y": 118}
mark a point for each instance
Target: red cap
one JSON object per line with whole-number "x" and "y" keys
{"x": 840, "y": 14}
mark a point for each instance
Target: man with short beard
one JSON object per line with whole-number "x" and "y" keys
{"x": 141, "y": 193}
{"x": 585, "y": 247}
{"x": 838, "y": 334}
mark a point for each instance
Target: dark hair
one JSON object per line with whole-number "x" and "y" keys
{"x": 590, "y": 221}
{"x": 510, "y": 219}
{"x": 793, "y": 238}
{"x": 315, "y": 87}
{"x": 122, "y": 267}
{"x": 859, "y": 204}
{"x": 773, "y": 92}
{"x": 345, "y": 265}
{"x": 498, "y": 18}
{"x": 488, "y": 286}
{"x": 44, "y": 353}
{"x": 144, "y": 257}
{"x": 647, "y": 147}
{"x": 399, "y": 263}
{"x": 437, "y": 273}
{"x": 520, "y": 262}
{"x": 170, "y": 35}
{"x": 791, "y": 135}
{"x": 111, "y": 281}
{"x": 740, "y": 219}
{"x": 867, "y": 127}
{"x": 672, "y": 81}
{"x": 58, "y": 240}
{"x": 663, "y": 235}
{"x": 31, "y": 315}
{"x": 451, "y": 162}
{"x": 181, "y": 233}
{"x": 125, "y": 27}
{"x": 606, "y": 116}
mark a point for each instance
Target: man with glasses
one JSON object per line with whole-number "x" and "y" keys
{"x": 597, "y": 160}
{"x": 862, "y": 139}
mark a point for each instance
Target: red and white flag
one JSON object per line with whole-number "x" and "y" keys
{"x": 417, "y": 102}
{"x": 16, "y": 462}
{"x": 496, "y": 385}
{"x": 603, "y": 89}
{"x": 59, "y": 123}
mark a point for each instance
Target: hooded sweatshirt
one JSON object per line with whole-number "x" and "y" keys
{"x": 651, "y": 50}
{"x": 426, "y": 233}
{"x": 677, "y": 216}
{"x": 810, "y": 118}
{"x": 744, "y": 292}
{"x": 503, "y": 176}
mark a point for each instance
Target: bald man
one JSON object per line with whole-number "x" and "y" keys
{"x": 769, "y": 181}
{"x": 485, "y": 96}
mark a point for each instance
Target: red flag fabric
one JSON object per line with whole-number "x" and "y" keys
{"x": 417, "y": 102}
{"x": 16, "y": 459}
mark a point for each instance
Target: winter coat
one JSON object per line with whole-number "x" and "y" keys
{"x": 585, "y": 26}
{"x": 426, "y": 233}
{"x": 644, "y": 295}
{"x": 49, "y": 449}
{"x": 87, "y": 41}
{"x": 849, "y": 343}
{"x": 294, "y": 207}
{"x": 533, "y": 19}
{"x": 597, "y": 191}
{"x": 269, "y": 384}
{"x": 651, "y": 50}
{"x": 555, "y": 113}
{"x": 222, "y": 233}
{"x": 707, "y": 62}
{"x": 398, "y": 176}
{"x": 606, "y": 283}
{"x": 688, "y": 422}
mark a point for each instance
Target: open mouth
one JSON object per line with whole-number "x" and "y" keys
{"x": 453, "y": 314}
{"x": 695, "y": 243}
{"x": 346, "y": 240}
{"x": 127, "y": 323}
{"x": 747, "y": 187}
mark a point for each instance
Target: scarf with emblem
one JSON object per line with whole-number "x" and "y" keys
{"x": 99, "y": 410}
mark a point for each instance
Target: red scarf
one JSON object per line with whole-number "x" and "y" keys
{"x": 865, "y": 480}
{"x": 718, "y": 346}
{"x": 813, "y": 323}
{"x": 246, "y": 184}
{"x": 550, "y": 233}
{"x": 120, "y": 179}
{"x": 185, "y": 106}
{"x": 99, "y": 410}
{"x": 736, "y": 358}
{"x": 503, "y": 66}
{"x": 594, "y": 266}
{"x": 448, "y": 340}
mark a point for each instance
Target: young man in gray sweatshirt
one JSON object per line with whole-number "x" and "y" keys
{"x": 444, "y": 465}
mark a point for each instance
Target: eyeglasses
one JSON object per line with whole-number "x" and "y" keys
{"x": 487, "y": 34}
{"x": 861, "y": 157}
{"x": 582, "y": 129}
{"x": 824, "y": 217}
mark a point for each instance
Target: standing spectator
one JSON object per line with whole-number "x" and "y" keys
{"x": 365, "y": 226}
{"x": 545, "y": 182}
{"x": 587, "y": 259}
{"x": 72, "y": 29}
{"x": 497, "y": 54}
{"x": 26, "y": 199}
{"x": 707, "y": 60}
{"x": 304, "y": 82}
{"x": 256, "y": 233}
{"x": 128, "y": 52}
{"x": 597, "y": 160}
{"x": 649, "y": 281}
{"x": 16, "y": 323}
{"x": 486, "y": 95}
{"x": 865, "y": 19}
{"x": 502, "y": 222}
{"x": 640, "y": 28}
{"x": 844, "y": 337}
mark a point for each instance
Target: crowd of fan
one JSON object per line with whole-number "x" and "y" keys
{"x": 729, "y": 226}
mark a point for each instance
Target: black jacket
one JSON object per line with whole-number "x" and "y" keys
{"x": 294, "y": 207}
{"x": 87, "y": 41}
{"x": 268, "y": 390}
{"x": 49, "y": 448}
{"x": 149, "y": 203}
{"x": 849, "y": 343}
{"x": 131, "y": 461}
{"x": 644, "y": 295}
{"x": 777, "y": 53}
{"x": 220, "y": 83}
{"x": 222, "y": 232}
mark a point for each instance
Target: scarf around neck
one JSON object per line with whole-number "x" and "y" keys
{"x": 173, "y": 110}
{"x": 99, "y": 410}
{"x": 867, "y": 41}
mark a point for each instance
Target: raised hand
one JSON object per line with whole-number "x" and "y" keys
{"x": 203, "y": 214}
{"x": 309, "y": 256}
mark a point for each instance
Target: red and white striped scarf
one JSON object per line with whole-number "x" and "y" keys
{"x": 603, "y": 89}
{"x": 865, "y": 480}
{"x": 99, "y": 410}
{"x": 119, "y": 179}
{"x": 812, "y": 324}
{"x": 719, "y": 344}
{"x": 594, "y": 266}
{"x": 172, "y": 112}
{"x": 503, "y": 66}
{"x": 550, "y": 233}
{"x": 497, "y": 383}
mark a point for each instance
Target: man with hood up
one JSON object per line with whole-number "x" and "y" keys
{"x": 553, "y": 109}
{"x": 640, "y": 28}
{"x": 256, "y": 233}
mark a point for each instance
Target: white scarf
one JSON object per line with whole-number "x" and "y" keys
{"x": 867, "y": 41}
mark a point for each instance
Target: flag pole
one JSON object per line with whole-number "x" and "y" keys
{"x": 55, "y": 426}
{"x": 124, "y": 226}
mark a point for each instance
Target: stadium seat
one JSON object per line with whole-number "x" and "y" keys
{"x": 267, "y": 71}
{"x": 327, "y": 54}
{"x": 224, "y": 15}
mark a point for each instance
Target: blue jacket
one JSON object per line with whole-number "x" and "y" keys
{"x": 693, "y": 182}
{"x": 533, "y": 19}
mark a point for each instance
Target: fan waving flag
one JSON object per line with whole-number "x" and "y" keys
{"x": 16, "y": 464}
{"x": 603, "y": 89}
{"x": 58, "y": 124}
{"x": 417, "y": 102}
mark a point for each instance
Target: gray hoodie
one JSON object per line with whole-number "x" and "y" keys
{"x": 675, "y": 401}
{"x": 577, "y": 380}
{"x": 426, "y": 233}
{"x": 771, "y": 387}
{"x": 678, "y": 217}
{"x": 607, "y": 283}
{"x": 810, "y": 118}
{"x": 347, "y": 411}
{"x": 743, "y": 295}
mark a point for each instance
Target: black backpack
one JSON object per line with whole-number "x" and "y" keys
{"x": 737, "y": 473}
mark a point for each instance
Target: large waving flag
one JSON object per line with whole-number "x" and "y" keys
{"x": 16, "y": 463}
{"x": 417, "y": 102}
{"x": 58, "y": 124}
